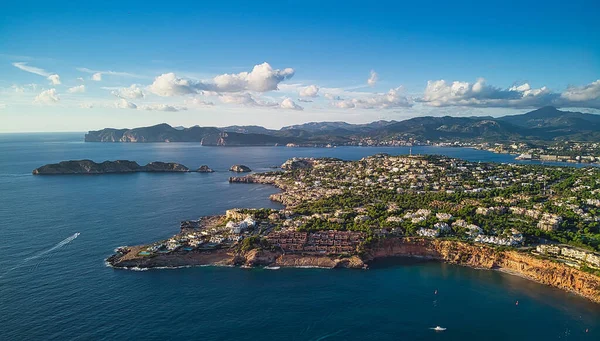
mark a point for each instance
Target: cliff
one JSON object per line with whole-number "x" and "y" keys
{"x": 541, "y": 270}
{"x": 106, "y": 167}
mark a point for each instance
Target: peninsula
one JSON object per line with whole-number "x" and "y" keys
{"x": 539, "y": 222}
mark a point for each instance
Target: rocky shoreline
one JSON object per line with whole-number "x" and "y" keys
{"x": 543, "y": 271}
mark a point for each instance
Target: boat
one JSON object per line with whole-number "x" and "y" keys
{"x": 438, "y": 329}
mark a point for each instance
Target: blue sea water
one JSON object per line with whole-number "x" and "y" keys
{"x": 54, "y": 284}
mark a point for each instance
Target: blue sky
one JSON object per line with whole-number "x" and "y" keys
{"x": 76, "y": 67}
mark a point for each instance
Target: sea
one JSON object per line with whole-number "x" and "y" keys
{"x": 56, "y": 232}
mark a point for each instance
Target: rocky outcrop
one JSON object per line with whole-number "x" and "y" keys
{"x": 106, "y": 167}
{"x": 541, "y": 270}
{"x": 240, "y": 169}
{"x": 272, "y": 258}
{"x": 204, "y": 169}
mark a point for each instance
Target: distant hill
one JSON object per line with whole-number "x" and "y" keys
{"x": 329, "y": 126}
{"x": 544, "y": 124}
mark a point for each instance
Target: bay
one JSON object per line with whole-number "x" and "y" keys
{"x": 54, "y": 284}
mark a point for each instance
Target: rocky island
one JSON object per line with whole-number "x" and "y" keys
{"x": 538, "y": 222}
{"x": 205, "y": 169}
{"x": 108, "y": 167}
{"x": 240, "y": 169}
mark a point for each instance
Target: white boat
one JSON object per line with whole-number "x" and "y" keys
{"x": 439, "y": 329}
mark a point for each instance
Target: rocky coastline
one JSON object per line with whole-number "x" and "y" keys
{"x": 537, "y": 269}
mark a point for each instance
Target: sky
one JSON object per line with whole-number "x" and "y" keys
{"x": 125, "y": 64}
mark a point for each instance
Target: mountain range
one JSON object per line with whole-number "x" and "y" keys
{"x": 542, "y": 125}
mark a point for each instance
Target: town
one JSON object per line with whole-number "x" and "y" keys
{"x": 336, "y": 207}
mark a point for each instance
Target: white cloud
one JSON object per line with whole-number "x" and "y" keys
{"x": 262, "y": 78}
{"x": 80, "y": 79}
{"x": 169, "y": 85}
{"x": 86, "y": 105}
{"x": 47, "y": 97}
{"x": 131, "y": 92}
{"x": 390, "y": 100}
{"x": 163, "y": 107}
{"x": 373, "y": 78}
{"x": 289, "y": 104}
{"x": 309, "y": 91}
{"x": 2, "y": 106}
{"x": 54, "y": 79}
{"x": 76, "y": 89}
{"x": 441, "y": 94}
{"x": 124, "y": 104}
{"x": 97, "y": 74}
{"x": 245, "y": 99}
{"x": 304, "y": 100}
{"x": 32, "y": 69}
{"x": 584, "y": 93}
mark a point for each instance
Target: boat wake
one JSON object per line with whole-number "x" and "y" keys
{"x": 43, "y": 253}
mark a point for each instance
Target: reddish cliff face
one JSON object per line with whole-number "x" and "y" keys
{"x": 480, "y": 256}
{"x": 267, "y": 258}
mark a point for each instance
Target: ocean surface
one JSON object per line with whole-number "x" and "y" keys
{"x": 56, "y": 231}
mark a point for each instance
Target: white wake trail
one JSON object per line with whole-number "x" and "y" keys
{"x": 43, "y": 253}
{"x": 55, "y": 247}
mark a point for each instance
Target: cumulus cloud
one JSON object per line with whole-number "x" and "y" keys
{"x": 289, "y": 104}
{"x": 163, "y": 107}
{"x": 54, "y": 79}
{"x": 479, "y": 94}
{"x": 124, "y": 104}
{"x": 245, "y": 99}
{"x": 262, "y": 78}
{"x": 131, "y": 92}
{"x": 169, "y": 85}
{"x": 589, "y": 92}
{"x": 97, "y": 77}
{"x": 373, "y": 78}
{"x": 390, "y": 100}
{"x": 309, "y": 91}
{"x": 76, "y": 89}
{"x": 47, "y": 97}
